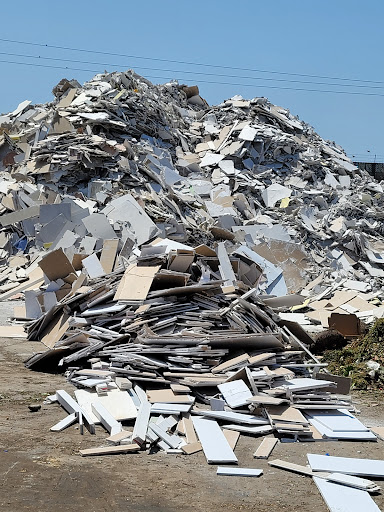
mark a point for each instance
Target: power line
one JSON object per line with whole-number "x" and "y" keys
{"x": 84, "y": 50}
{"x": 202, "y": 81}
{"x": 125, "y": 66}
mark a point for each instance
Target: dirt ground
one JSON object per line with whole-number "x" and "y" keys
{"x": 43, "y": 471}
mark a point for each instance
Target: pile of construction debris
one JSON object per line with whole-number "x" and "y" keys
{"x": 174, "y": 257}
{"x": 121, "y": 159}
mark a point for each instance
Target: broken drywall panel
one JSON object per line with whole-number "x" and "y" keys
{"x": 108, "y": 255}
{"x": 126, "y": 209}
{"x": 56, "y": 265}
{"x": 93, "y": 266}
{"x": 98, "y": 226}
{"x": 235, "y": 393}
{"x": 136, "y": 283}
{"x": 27, "y": 213}
{"x": 274, "y": 193}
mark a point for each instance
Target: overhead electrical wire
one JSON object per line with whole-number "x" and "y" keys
{"x": 189, "y": 63}
{"x": 125, "y": 66}
{"x": 32, "y": 64}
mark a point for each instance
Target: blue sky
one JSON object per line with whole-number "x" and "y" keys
{"x": 334, "y": 38}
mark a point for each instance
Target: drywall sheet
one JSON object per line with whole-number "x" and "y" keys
{"x": 215, "y": 446}
{"x": 347, "y": 465}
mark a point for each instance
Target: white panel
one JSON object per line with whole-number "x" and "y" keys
{"x": 236, "y": 393}
{"x": 339, "y": 420}
{"x": 239, "y": 471}
{"x": 215, "y": 446}
{"x": 347, "y": 465}
{"x": 234, "y": 417}
{"x": 341, "y": 498}
{"x": 326, "y": 432}
{"x": 118, "y": 403}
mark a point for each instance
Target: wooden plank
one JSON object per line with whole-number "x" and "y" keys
{"x": 250, "y": 429}
{"x": 170, "y": 408}
{"x": 261, "y": 358}
{"x": 265, "y": 448}
{"x": 379, "y": 432}
{"x": 110, "y": 450}
{"x": 215, "y": 446}
{"x": 239, "y": 471}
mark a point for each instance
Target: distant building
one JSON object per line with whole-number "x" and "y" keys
{"x": 376, "y": 169}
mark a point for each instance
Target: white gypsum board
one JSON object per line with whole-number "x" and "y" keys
{"x": 340, "y": 498}
{"x": 118, "y": 403}
{"x": 239, "y": 471}
{"x": 347, "y": 465}
{"x": 339, "y": 420}
{"x": 326, "y": 432}
{"x": 215, "y": 446}
{"x": 234, "y": 417}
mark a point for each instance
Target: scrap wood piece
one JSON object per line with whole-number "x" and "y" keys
{"x": 239, "y": 471}
{"x": 110, "y": 450}
{"x": 172, "y": 440}
{"x": 265, "y": 448}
